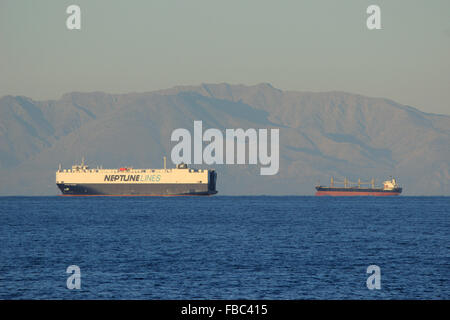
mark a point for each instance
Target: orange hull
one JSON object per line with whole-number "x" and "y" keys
{"x": 355, "y": 193}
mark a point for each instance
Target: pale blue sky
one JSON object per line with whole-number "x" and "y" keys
{"x": 304, "y": 45}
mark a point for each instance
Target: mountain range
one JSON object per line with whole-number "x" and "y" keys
{"x": 322, "y": 134}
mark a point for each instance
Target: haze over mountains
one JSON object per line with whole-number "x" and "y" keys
{"x": 321, "y": 135}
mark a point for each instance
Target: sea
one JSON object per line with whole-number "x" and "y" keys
{"x": 225, "y": 247}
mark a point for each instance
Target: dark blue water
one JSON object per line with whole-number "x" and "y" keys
{"x": 224, "y": 247}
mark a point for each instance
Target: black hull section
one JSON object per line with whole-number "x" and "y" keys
{"x": 136, "y": 189}
{"x": 362, "y": 190}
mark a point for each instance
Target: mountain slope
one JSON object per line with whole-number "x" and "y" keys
{"x": 321, "y": 134}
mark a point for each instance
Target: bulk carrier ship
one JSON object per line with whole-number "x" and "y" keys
{"x": 390, "y": 188}
{"x": 180, "y": 181}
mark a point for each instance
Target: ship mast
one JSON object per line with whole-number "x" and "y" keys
{"x": 348, "y": 183}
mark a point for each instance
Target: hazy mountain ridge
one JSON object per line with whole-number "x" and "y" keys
{"x": 321, "y": 134}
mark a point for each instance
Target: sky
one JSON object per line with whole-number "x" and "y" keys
{"x": 301, "y": 45}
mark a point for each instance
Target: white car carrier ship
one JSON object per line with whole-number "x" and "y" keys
{"x": 82, "y": 180}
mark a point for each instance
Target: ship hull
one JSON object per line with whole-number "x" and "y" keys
{"x": 138, "y": 189}
{"x": 339, "y": 192}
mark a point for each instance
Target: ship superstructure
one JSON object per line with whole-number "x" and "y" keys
{"x": 127, "y": 181}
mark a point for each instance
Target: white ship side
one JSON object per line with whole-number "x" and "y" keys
{"x": 83, "y": 180}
